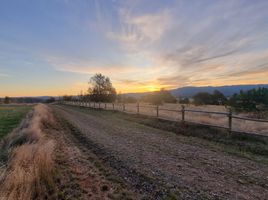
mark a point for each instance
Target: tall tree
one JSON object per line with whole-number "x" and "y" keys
{"x": 251, "y": 100}
{"x": 101, "y": 89}
{"x": 218, "y": 98}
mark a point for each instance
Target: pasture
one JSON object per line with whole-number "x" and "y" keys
{"x": 209, "y": 115}
{"x": 75, "y": 152}
{"x": 11, "y": 116}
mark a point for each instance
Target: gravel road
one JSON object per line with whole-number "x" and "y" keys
{"x": 161, "y": 164}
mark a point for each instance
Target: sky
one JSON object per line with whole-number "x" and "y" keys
{"x": 53, "y": 47}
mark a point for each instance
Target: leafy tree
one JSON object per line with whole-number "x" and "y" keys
{"x": 166, "y": 96}
{"x": 202, "y": 98}
{"x": 218, "y": 98}
{"x": 101, "y": 89}
{"x": 6, "y": 100}
{"x": 251, "y": 100}
{"x": 159, "y": 97}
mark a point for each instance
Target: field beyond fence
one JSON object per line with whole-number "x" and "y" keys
{"x": 216, "y": 116}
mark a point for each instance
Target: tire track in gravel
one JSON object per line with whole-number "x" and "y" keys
{"x": 160, "y": 164}
{"x": 81, "y": 174}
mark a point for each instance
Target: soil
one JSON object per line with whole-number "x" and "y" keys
{"x": 107, "y": 157}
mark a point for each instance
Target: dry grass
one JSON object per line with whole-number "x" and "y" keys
{"x": 212, "y": 119}
{"x": 27, "y": 173}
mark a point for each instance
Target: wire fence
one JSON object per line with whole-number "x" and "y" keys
{"x": 226, "y": 120}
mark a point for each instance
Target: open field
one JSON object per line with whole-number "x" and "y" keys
{"x": 40, "y": 160}
{"x": 173, "y": 112}
{"x": 26, "y": 161}
{"x": 10, "y": 117}
{"x": 69, "y": 152}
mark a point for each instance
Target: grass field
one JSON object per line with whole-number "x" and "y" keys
{"x": 10, "y": 117}
{"x": 71, "y": 152}
{"x": 171, "y": 112}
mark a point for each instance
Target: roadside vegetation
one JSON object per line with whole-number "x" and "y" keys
{"x": 26, "y": 161}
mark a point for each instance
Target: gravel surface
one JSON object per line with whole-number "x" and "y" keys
{"x": 160, "y": 164}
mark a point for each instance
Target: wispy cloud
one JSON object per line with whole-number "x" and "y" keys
{"x": 137, "y": 30}
{"x": 180, "y": 49}
{"x": 140, "y": 45}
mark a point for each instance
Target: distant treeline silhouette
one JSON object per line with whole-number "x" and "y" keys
{"x": 8, "y": 100}
{"x": 102, "y": 90}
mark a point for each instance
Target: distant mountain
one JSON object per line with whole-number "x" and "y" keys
{"x": 191, "y": 91}
{"x": 226, "y": 90}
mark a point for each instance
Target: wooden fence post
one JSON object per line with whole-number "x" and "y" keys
{"x": 138, "y": 108}
{"x": 99, "y": 105}
{"x": 113, "y": 106}
{"x": 94, "y": 104}
{"x": 157, "y": 111}
{"x": 182, "y": 113}
{"x": 105, "y": 105}
{"x": 124, "y": 108}
{"x": 230, "y": 121}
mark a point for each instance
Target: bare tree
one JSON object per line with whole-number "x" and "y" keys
{"x": 101, "y": 89}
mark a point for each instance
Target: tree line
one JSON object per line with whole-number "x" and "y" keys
{"x": 102, "y": 90}
{"x": 252, "y": 100}
{"x": 8, "y": 100}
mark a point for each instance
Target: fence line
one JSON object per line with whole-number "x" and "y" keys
{"x": 157, "y": 109}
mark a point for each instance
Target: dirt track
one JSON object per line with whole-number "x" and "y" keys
{"x": 160, "y": 164}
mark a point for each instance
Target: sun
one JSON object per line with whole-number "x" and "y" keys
{"x": 152, "y": 88}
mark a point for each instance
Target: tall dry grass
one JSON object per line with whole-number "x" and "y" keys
{"x": 28, "y": 170}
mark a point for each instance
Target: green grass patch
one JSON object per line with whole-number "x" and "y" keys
{"x": 10, "y": 117}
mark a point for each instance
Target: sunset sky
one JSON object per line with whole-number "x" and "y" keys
{"x": 53, "y": 47}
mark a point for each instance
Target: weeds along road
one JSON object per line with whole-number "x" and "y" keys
{"x": 160, "y": 164}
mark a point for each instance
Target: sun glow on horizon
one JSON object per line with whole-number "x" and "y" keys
{"x": 140, "y": 47}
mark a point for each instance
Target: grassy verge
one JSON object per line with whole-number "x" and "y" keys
{"x": 250, "y": 146}
{"x": 10, "y": 117}
{"x": 26, "y": 156}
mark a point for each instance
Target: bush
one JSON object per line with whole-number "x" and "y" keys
{"x": 157, "y": 98}
{"x": 204, "y": 98}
